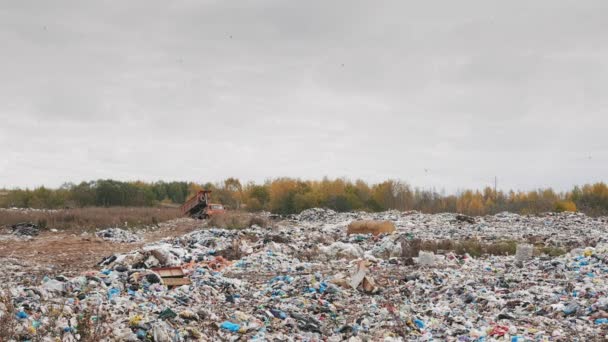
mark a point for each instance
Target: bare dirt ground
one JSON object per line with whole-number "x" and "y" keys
{"x": 70, "y": 253}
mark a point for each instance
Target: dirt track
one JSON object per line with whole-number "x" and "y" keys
{"x": 69, "y": 254}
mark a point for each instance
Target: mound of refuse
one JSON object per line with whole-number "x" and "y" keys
{"x": 118, "y": 235}
{"x": 308, "y": 279}
{"x": 25, "y": 229}
{"x": 316, "y": 214}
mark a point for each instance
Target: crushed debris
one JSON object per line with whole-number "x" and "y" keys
{"x": 118, "y": 235}
{"x": 172, "y": 276}
{"x": 25, "y": 229}
{"x": 465, "y": 218}
{"x": 524, "y": 252}
{"x": 308, "y": 279}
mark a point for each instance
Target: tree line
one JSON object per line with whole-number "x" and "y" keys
{"x": 289, "y": 196}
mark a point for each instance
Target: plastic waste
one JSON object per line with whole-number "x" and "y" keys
{"x": 112, "y": 292}
{"x": 308, "y": 280}
{"x": 524, "y": 252}
{"x": 426, "y": 258}
{"x": 230, "y": 326}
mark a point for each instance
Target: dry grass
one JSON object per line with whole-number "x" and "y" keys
{"x": 552, "y": 251}
{"x": 91, "y": 325}
{"x": 51, "y": 329}
{"x": 477, "y": 248}
{"x": 474, "y": 248}
{"x": 370, "y": 227}
{"x": 90, "y": 218}
{"x": 8, "y": 321}
{"x": 238, "y": 220}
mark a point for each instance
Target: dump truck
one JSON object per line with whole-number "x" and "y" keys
{"x": 200, "y": 206}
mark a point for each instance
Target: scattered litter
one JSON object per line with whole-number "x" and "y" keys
{"x": 308, "y": 279}
{"x": 230, "y": 326}
{"x": 524, "y": 252}
{"x": 118, "y": 235}
{"x": 341, "y": 250}
{"x": 172, "y": 276}
{"x": 426, "y": 258}
{"x": 25, "y": 229}
{"x": 465, "y": 218}
{"x": 359, "y": 275}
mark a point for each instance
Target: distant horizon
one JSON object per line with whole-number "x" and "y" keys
{"x": 442, "y": 191}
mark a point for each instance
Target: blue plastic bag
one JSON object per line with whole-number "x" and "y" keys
{"x": 419, "y": 324}
{"x": 230, "y": 326}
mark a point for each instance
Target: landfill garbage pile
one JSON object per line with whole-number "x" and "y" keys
{"x": 118, "y": 235}
{"x": 555, "y": 229}
{"x": 28, "y": 210}
{"x": 308, "y": 280}
{"x": 20, "y": 271}
{"x": 25, "y": 229}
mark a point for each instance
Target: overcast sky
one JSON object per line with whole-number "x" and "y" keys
{"x": 443, "y": 94}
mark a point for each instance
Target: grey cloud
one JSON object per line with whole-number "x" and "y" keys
{"x": 204, "y": 90}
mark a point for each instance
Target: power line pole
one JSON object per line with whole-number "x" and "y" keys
{"x": 495, "y": 186}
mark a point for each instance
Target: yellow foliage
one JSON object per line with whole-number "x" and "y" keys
{"x": 565, "y": 206}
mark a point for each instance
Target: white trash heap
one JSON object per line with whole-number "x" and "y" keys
{"x": 118, "y": 235}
